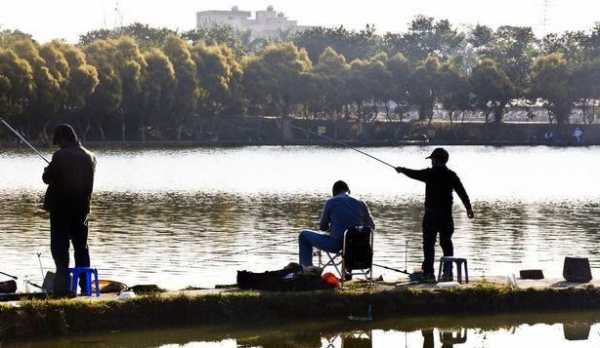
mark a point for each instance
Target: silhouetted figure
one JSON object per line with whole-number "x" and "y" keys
{"x": 439, "y": 184}
{"x": 70, "y": 179}
{"x": 339, "y": 213}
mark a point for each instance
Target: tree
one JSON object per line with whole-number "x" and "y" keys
{"x": 425, "y": 37}
{"x": 48, "y": 95}
{"x": 492, "y": 89}
{"x": 351, "y": 44}
{"x": 400, "y": 73}
{"x": 16, "y": 84}
{"x": 77, "y": 78}
{"x": 143, "y": 34}
{"x": 187, "y": 89}
{"x": 219, "y": 74}
{"x": 551, "y": 81}
{"x": 455, "y": 94}
{"x": 424, "y": 87}
{"x": 107, "y": 97}
{"x": 270, "y": 77}
{"x": 131, "y": 67}
{"x": 513, "y": 49}
{"x": 332, "y": 70}
{"x": 158, "y": 90}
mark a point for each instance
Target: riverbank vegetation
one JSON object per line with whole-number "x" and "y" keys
{"x": 244, "y": 308}
{"x": 139, "y": 83}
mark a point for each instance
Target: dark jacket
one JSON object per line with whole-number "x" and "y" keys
{"x": 439, "y": 184}
{"x": 70, "y": 179}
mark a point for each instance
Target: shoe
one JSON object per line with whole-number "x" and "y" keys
{"x": 347, "y": 276}
{"x": 447, "y": 277}
{"x": 428, "y": 278}
{"x": 422, "y": 277}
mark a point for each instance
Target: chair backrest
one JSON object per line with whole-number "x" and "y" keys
{"x": 358, "y": 248}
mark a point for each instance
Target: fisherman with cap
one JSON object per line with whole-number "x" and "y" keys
{"x": 440, "y": 182}
{"x": 70, "y": 180}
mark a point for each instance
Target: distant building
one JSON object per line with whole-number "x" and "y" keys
{"x": 266, "y": 24}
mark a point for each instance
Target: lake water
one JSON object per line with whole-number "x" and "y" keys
{"x": 549, "y": 330}
{"x": 185, "y": 217}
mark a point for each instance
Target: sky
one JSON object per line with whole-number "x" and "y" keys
{"x": 67, "y": 19}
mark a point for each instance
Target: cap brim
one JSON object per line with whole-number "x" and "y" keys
{"x": 428, "y": 157}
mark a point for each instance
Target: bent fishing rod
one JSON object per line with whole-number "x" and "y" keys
{"x": 22, "y": 138}
{"x": 344, "y": 144}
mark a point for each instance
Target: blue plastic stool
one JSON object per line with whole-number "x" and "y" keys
{"x": 86, "y": 272}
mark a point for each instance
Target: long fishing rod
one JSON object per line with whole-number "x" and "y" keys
{"x": 344, "y": 144}
{"x": 22, "y": 138}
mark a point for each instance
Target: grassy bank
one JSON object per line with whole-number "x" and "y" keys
{"x": 60, "y": 317}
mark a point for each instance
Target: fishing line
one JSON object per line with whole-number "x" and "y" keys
{"x": 22, "y": 138}
{"x": 344, "y": 144}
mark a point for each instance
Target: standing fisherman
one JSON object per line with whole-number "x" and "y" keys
{"x": 439, "y": 184}
{"x": 70, "y": 179}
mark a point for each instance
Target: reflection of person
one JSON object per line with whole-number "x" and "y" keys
{"x": 440, "y": 183}
{"x": 70, "y": 179}
{"x": 428, "y": 341}
{"x": 339, "y": 213}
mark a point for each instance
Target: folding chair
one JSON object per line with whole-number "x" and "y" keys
{"x": 356, "y": 256}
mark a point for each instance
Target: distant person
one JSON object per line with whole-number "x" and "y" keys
{"x": 439, "y": 184}
{"x": 339, "y": 213}
{"x": 70, "y": 179}
{"x": 578, "y": 135}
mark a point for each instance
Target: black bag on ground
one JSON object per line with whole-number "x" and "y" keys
{"x": 290, "y": 278}
{"x": 359, "y": 252}
{"x": 8, "y": 287}
{"x": 577, "y": 270}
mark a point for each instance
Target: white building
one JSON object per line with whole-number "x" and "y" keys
{"x": 265, "y": 24}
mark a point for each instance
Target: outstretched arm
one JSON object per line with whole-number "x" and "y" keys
{"x": 462, "y": 193}
{"x": 420, "y": 175}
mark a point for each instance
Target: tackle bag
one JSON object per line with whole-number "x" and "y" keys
{"x": 290, "y": 278}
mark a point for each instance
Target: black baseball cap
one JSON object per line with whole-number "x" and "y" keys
{"x": 439, "y": 153}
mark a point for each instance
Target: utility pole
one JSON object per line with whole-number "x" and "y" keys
{"x": 547, "y": 4}
{"x": 118, "y": 16}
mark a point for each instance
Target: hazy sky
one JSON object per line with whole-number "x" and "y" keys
{"x": 68, "y": 19}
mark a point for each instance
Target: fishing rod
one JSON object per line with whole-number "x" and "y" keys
{"x": 22, "y": 138}
{"x": 392, "y": 269}
{"x": 345, "y": 145}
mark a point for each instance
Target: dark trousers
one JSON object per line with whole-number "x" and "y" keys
{"x": 435, "y": 222}
{"x": 68, "y": 227}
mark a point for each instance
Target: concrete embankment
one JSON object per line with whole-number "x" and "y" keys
{"x": 238, "y": 308}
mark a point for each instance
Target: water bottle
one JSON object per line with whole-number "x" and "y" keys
{"x": 26, "y": 284}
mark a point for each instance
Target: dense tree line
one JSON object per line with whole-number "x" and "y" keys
{"x": 138, "y": 82}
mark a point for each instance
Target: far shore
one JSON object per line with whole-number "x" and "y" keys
{"x": 245, "y": 131}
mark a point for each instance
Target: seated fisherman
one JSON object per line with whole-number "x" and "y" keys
{"x": 340, "y": 213}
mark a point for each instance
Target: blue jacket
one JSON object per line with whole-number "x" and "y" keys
{"x": 341, "y": 212}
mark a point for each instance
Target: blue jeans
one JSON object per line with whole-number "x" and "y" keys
{"x": 309, "y": 239}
